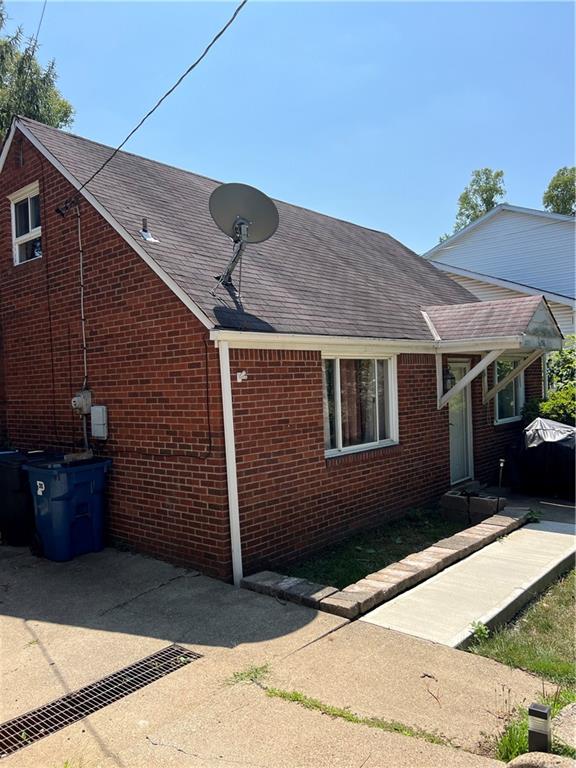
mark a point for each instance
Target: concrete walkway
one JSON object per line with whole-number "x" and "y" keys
{"x": 490, "y": 586}
{"x": 63, "y": 625}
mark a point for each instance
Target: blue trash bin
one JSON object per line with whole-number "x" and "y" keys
{"x": 69, "y": 506}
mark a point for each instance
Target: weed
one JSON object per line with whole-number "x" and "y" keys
{"x": 514, "y": 739}
{"x": 256, "y": 675}
{"x": 374, "y": 549}
{"x": 541, "y": 639}
{"x": 534, "y": 516}
{"x": 390, "y": 726}
{"x": 249, "y": 675}
{"x": 479, "y": 630}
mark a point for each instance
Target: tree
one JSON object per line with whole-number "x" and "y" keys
{"x": 485, "y": 190}
{"x": 27, "y": 88}
{"x": 560, "y": 196}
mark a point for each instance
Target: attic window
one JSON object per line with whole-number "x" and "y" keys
{"x": 26, "y": 226}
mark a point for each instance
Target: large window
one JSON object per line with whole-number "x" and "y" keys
{"x": 26, "y": 227}
{"x": 359, "y": 404}
{"x": 510, "y": 400}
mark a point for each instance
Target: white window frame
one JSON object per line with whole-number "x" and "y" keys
{"x": 520, "y": 379}
{"x": 31, "y": 190}
{"x": 392, "y": 404}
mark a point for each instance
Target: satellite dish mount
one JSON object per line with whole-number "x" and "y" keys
{"x": 246, "y": 215}
{"x": 240, "y": 239}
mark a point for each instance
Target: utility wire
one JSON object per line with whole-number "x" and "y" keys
{"x": 72, "y": 201}
{"x": 32, "y": 52}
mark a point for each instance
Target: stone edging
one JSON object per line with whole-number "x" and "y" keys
{"x": 381, "y": 586}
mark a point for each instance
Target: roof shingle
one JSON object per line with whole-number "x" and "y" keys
{"x": 484, "y": 319}
{"x": 317, "y": 275}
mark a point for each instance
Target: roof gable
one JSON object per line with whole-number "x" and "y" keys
{"x": 316, "y": 275}
{"x": 528, "y": 316}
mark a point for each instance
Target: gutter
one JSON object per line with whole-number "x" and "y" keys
{"x": 335, "y": 344}
{"x": 231, "y": 477}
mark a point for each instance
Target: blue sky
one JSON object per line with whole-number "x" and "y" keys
{"x": 372, "y": 112}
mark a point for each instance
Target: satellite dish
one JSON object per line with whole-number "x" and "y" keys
{"x": 247, "y": 216}
{"x": 235, "y": 204}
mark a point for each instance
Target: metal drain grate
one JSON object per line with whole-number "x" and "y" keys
{"x": 26, "y": 729}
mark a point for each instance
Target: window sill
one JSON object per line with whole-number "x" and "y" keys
{"x": 334, "y": 453}
{"x": 511, "y": 420}
{"x": 27, "y": 261}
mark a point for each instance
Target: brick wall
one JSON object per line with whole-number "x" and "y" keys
{"x": 495, "y": 441}
{"x": 293, "y": 500}
{"x": 148, "y": 362}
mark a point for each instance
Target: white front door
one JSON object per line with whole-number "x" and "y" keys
{"x": 460, "y": 412}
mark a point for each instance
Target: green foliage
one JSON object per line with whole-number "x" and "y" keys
{"x": 27, "y": 88}
{"x": 376, "y": 548}
{"x": 484, "y": 192}
{"x": 250, "y": 675}
{"x": 562, "y": 364}
{"x": 560, "y": 196}
{"x": 479, "y": 630}
{"x": 531, "y": 410}
{"x": 514, "y": 740}
{"x": 391, "y": 726}
{"x": 534, "y": 516}
{"x": 541, "y": 639}
{"x": 560, "y": 405}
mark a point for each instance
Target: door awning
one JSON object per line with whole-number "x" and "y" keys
{"x": 525, "y": 325}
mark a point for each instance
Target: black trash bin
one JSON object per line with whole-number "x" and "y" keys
{"x": 16, "y": 503}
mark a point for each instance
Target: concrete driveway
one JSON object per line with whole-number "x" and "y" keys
{"x": 65, "y": 625}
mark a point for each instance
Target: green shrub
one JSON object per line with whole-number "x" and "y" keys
{"x": 531, "y": 410}
{"x": 562, "y": 365}
{"x": 560, "y": 405}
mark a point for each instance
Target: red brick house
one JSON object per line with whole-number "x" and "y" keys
{"x": 243, "y": 435}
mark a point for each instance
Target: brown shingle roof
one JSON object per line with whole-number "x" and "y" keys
{"x": 317, "y": 275}
{"x": 484, "y": 319}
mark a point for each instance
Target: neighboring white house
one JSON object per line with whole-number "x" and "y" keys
{"x": 511, "y": 252}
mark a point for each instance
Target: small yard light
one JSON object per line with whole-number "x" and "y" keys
{"x": 539, "y": 728}
{"x": 501, "y": 463}
{"x": 449, "y": 380}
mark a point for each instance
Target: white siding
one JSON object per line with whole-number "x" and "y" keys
{"x": 563, "y": 314}
{"x": 521, "y": 247}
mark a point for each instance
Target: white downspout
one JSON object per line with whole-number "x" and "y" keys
{"x": 230, "y": 445}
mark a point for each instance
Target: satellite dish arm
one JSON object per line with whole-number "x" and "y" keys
{"x": 240, "y": 240}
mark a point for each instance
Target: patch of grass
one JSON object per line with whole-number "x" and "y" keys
{"x": 250, "y": 675}
{"x": 514, "y": 739}
{"x": 372, "y": 550}
{"x": 345, "y": 714}
{"x": 541, "y": 639}
{"x": 256, "y": 675}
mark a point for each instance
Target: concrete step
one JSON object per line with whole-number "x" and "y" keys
{"x": 490, "y": 586}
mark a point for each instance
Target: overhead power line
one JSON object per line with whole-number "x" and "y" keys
{"x": 72, "y": 201}
{"x": 31, "y": 51}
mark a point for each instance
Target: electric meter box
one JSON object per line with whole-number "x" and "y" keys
{"x": 99, "y": 422}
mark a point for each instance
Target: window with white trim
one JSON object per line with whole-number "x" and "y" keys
{"x": 510, "y": 400}
{"x": 360, "y": 409}
{"x": 26, "y": 226}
